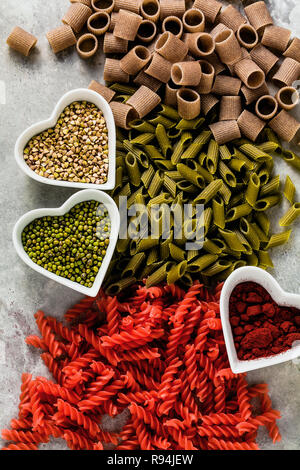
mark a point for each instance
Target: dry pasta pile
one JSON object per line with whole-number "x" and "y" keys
{"x": 160, "y": 354}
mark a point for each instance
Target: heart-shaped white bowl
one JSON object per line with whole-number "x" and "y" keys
{"x": 80, "y": 196}
{"x": 253, "y": 274}
{"x": 80, "y": 94}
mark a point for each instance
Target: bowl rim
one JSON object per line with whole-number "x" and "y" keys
{"x": 78, "y": 94}
{"x": 79, "y": 196}
{"x": 266, "y": 280}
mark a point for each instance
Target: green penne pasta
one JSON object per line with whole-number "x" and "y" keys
{"x": 212, "y": 156}
{"x": 209, "y": 192}
{"x": 165, "y": 249}
{"x": 153, "y": 256}
{"x": 225, "y": 192}
{"x": 133, "y": 265}
{"x": 186, "y": 280}
{"x": 217, "y": 268}
{"x": 163, "y": 140}
{"x": 164, "y": 164}
{"x": 133, "y": 169}
{"x": 122, "y": 98}
{"x": 192, "y": 124}
{"x": 160, "y": 119}
{"x": 153, "y": 152}
{"x": 170, "y": 185}
{"x": 174, "y": 133}
{"x": 252, "y": 190}
{"x": 162, "y": 198}
{"x": 202, "y": 158}
{"x": 143, "y": 139}
{"x": 290, "y": 216}
{"x": 176, "y": 272}
{"x": 267, "y": 202}
{"x": 249, "y": 232}
{"x": 252, "y": 260}
{"x": 224, "y": 152}
{"x": 254, "y": 152}
{"x": 149, "y": 269}
{"x": 271, "y": 187}
{"x": 231, "y": 239}
{"x": 159, "y": 275}
{"x": 269, "y": 147}
{"x": 289, "y": 190}
{"x": 201, "y": 263}
{"x": 177, "y": 253}
{"x": 138, "y": 246}
{"x": 291, "y": 158}
{"x": 156, "y": 184}
{"x": 138, "y": 153}
{"x": 142, "y": 126}
{"x": 236, "y": 165}
{"x": 214, "y": 247}
{"x": 263, "y": 221}
{"x": 191, "y": 175}
{"x": 119, "y": 180}
{"x": 265, "y": 259}
{"x": 241, "y": 156}
{"x": 168, "y": 111}
{"x": 186, "y": 186}
{"x": 122, "y": 245}
{"x": 177, "y": 152}
{"x": 264, "y": 239}
{"x": 174, "y": 175}
{"x": 117, "y": 287}
{"x": 195, "y": 147}
{"x": 218, "y": 211}
{"x": 147, "y": 176}
{"x": 237, "y": 212}
{"x": 205, "y": 220}
{"x": 122, "y": 88}
{"x": 192, "y": 254}
{"x": 125, "y": 191}
{"x": 226, "y": 174}
{"x": 248, "y": 250}
{"x": 264, "y": 176}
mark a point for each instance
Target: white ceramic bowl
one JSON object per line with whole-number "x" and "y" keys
{"x": 80, "y": 196}
{"x": 283, "y": 298}
{"x": 81, "y": 94}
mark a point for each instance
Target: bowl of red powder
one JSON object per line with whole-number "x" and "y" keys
{"x": 260, "y": 321}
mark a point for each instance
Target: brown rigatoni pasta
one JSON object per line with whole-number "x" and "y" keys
{"x": 171, "y": 7}
{"x": 250, "y": 125}
{"x": 135, "y": 60}
{"x": 143, "y": 101}
{"x": 87, "y": 45}
{"x": 232, "y": 18}
{"x": 288, "y": 72}
{"x": 103, "y": 90}
{"x": 210, "y": 8}
{"x": 186, "y": 73}
{"x": 171, "y": 94}
{"x": 171, "y": 47}
{"x": 99, "y": 5}
{"x": 98, "y": 23}
{"x": 251, "y": 95}
{"x": 264, "y": 58}
{"x": 250, "y": 73}
{"x": 200, "y": 44}
{"x": 88, "y": 3}
{"x": 247, "y": 36}
{"x": 61, "y": 38}
{"x": 77, "y": 16}
{"x": 207, "y": 77}
{"x": 228, "y": 47}
{"x": 285, "y": 126}
{"x": 193, "y": 20}
{"x": 147, "y": 31}
{"x": 225, "y": 131}
{"x": 189, "y": 103}
{"x": 276, "y": 37}
{"x": 159, "y": 68}
{"x": 230, "y": 108}
{"x": 127, "y": 5}
{"x": 113, "y": 72}
{"x": 113, "y": 19}
{"x": 114, "y": 45}
{"x": 216, "y": 63}
{"x": 225, "y": 85}
{"x": 21, "y": 41}
{"x": 218, "y": 29}
{"x": 208, "y": 103}
{"x": 143, "y": 79}
{"x": 150, "y": 9}
{"x": 174, "y": 25}
{"x": 127, "y": 25}
{"x": 266, "y": 107}
{"x": 287, "y": 97}
{"x": 258, "y": 15}
{"x": 293, "y": 51}
{"x": 123, "y": 114}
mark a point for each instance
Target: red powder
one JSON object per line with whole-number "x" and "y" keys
{"x": 261, "y": 328}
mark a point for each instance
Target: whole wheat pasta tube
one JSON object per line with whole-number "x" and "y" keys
{"x": 208, "y": 103}
{"x": 193, "y": 21}
{"x": 250, "y": 73}
{"x": 200, "y": 44}
{"x": 61, "y": 38}
{"x": 230, "y": 108}
{"x": 100, "y": 5}
{"x": 258, "y": 15}
{"x": 135, "y": 60}
{"x": 174, "y": 25}
{"x": 98, "y": 23}
{"x": 210, "y": 8}
{"x": 171, "y": 7}
{"x": 150, "y": 9}
{"x": 251, "y": 95}
{"x": 113, "y": 72}
{"x": 114, "y": 45}
{"x": 147, "y": 31}
{"x": 287, "y": 97}
{"x": 21, "y": 41}
{"x": 266, "y": 107}
{"x": 285, "y": 126}
{"x": 143, "y": 79}
{"x": 276, "y": 37}
{"x": 250, "y": 125}
{"x": 159, "y": 68}
{"x": 143, "y": 101}
{"x": 293, "y": 51}
{"x": 218, "y": 29}
{"x": 189, "y": 103}
{"x": 216, "y": 63}
{"x": 225, "y": 85}
{"x": 103, "y": 90}
{"x": 171, "y": 93}
{"x": 225, "y": 131}
{"x": 113, "y": 19}
{"x": 87, "y": 45}
{"x": 186, "y": 73}
{"x": 127, "y": 25}
{"x": 88, "y": 3}
{"x": 227, "y": 47}
{"x": 247, "y": 36}
{"x": 264, "y": 58}
{"x": 127, "y": 5}
{"x": 232, "y": 18}
{"x": 171, "y": 47}
{"x": 288, "y": 72}
{"x": 207, "y": 77}
{"x": 76, "y": 16}
{"x": 123, "y": 114}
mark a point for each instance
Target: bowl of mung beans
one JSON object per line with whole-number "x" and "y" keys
{"x": 72, "y": 244}
{"x": 75, "y": 147}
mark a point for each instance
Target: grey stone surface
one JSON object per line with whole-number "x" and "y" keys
{"x": 33, "y": 86}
